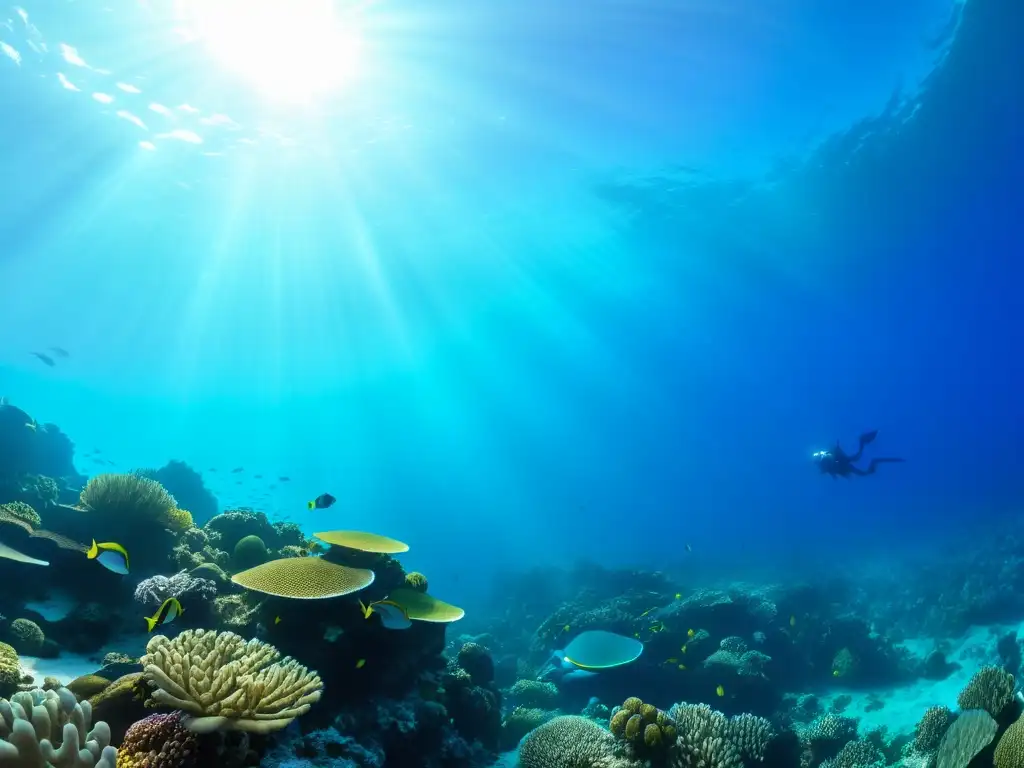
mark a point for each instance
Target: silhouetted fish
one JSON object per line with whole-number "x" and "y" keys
{"x": 237, "y": 470}
{"x": 59, "y": 352}
{"x": 284, "y": 479}
{"x": 258, "y": 477}
{"x": 45, "y": 358}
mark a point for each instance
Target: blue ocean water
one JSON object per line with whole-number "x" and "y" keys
{"x": 532, "y": 282}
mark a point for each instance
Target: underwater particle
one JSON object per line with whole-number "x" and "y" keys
{"x": 361, "y": 663}
{"x": 423, "y": 607}
{"x": 364, "y": 542}
{"x": 8, "y": 553}
{"x": 932, "y": 727}
{"x": 567, "y": 741}
{"x": 990, "y": 689}
{"x": 970, "y": 733}
{"x": 231, "y": 684}
{"x": 323, "y": 501}
{"x": 304, "y": 578}
{"x": 416, "y": 581}
{"x": 250, "y": 551}
{"x": 26, "y": 636}
{"x": 110, "y": 555}
{"x": 597, "y": 649}
{"x": 45, "y": 728}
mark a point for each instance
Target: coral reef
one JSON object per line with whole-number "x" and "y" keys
{"x": 187, "y": 486}
{"x": 40, "y": 728}
{"x": 156, "y": 589}
{"x": 226, "y": 683}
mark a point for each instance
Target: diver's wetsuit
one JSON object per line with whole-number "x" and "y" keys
{"x": 838, "y": 464}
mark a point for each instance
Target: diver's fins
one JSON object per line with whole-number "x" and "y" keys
{"x": 868, "y": 437}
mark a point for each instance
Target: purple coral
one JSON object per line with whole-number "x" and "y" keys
{"x": 156, "y": 589}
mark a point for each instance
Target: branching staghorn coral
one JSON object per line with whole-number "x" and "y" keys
{"x": 225, "y": 683}
{"x": 156, "y": 589}
{"x": 39, "y": 729}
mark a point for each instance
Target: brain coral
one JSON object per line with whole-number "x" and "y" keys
{"x": 932, "y": 727}
{"x": 10, "y": 671}
{"x": 226, "y": 683}
{"x": 568, "y": 741}
{"x": 970, "y": 733}
{"x": 990, "y": 689}
{"x": 1010, "y": 749}
{"x": 158, "y": 741}
{"x": 534, "y": 693}
{"x": 26, "y": 636}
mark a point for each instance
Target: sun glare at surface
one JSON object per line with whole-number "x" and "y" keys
{"x": 288, "y": 50}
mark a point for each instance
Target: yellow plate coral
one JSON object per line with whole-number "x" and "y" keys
{"x": 304, "y": 578}
{"x": 363, "y": 541}
{"x": 423, "y": 607}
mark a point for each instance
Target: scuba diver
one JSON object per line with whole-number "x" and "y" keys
{"x": 838, "y": 464}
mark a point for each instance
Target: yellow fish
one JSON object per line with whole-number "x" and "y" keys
{"x": 565, "y": 628}
{"x": 683, "y": 649}
{"x": 720, "y": 691}
{"x": 636, "y": 634}
{"x": 792, "y": 621}
{"x": 169, "y": 610}
{"x": 673, "y": 660}
{"x": 659, "y": 627}
{"x": 360, "y": 664}
{"x": 835, "y": 673}
{"x": 277, "y": 619}
{"x": 682, "y": 667}
{"x": 110, "y": 555}
{"x": 679, "y": 595}
{"x": 690, "y": 633}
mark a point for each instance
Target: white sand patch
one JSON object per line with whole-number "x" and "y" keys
{"x": 65, "y": 667}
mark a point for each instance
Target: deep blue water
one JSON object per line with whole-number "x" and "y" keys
{"x": 547, "y": 281}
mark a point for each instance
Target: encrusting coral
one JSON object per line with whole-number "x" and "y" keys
{"x": 570, "y": 741}
{"x": 27, "y": 637}
{"x": 156, "y": 589}
{"x": 225, "y": 683}
{"x": 39, "y": 729}
{"x": 10, "y": 670}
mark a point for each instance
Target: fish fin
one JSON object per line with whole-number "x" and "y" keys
{"x": 868, "y": 437}
{"x": 366, "y": 611}
{"x": 94, "y": 550}
{"x": 150, "y": 624}
{"x": 311, "y": 504}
